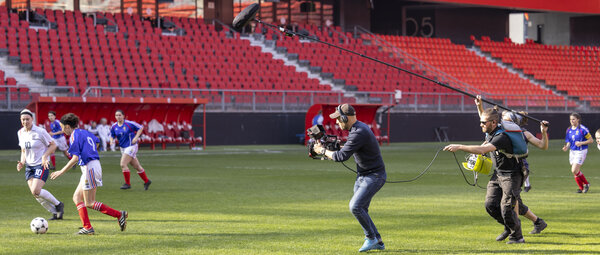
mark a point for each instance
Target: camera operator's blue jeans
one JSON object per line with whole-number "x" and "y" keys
{"x": 365, "y": 188}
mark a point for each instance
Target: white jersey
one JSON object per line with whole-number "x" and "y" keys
{"x": 103, "y": 130}
{"x": 34, "y": 142}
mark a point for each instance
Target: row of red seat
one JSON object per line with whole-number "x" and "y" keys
{"x": 147, "y": 59}
{"x": 458, "y": 61}
{"x": 573, "y": 69}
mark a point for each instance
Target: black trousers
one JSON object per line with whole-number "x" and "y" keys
{"x": 503, "y": 194}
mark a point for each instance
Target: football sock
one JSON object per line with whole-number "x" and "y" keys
{"x": 106, "y": 209}
{"x": 48, "y": 196}
{"x": 51, "y": 208}
{"x": 578, "y": 181}
{"x": 53, "y": 159}
{"x": 142, "y": 175}
{"x": 127, "y": 176}
{"x": 83, "y": 215}
{"x": 582, "y": 177}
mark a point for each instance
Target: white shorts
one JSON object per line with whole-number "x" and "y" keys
{"x": 131, "y": 150}
{"x": 577, "y": 157}
{"x": 61, "y": 143}
{"x": 91, "y": 175}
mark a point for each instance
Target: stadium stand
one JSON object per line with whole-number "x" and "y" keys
{"x": 572, "y": 69}
{"x": 457, "y": 61}
{"x": 140, "y": 57}
{"x": 356, "y": 73}
{"x": 142, "y": 60}
{"x": 13, "y": 94}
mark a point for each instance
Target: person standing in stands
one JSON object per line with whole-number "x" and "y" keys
{"x": 577, "y": 139}
{"x": 128, "y": 134}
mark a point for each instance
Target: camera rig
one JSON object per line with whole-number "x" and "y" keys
{"x": 329, "y": 142}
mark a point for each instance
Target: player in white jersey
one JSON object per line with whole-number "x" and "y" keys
{"x": 36, "y": 146}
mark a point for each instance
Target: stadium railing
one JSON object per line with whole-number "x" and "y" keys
{"x": 17, "y": 97}
{"x": 231, "y": 100}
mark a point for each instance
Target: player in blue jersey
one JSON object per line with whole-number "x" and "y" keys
{"x": 577, "y": 139}
{"x": 58, "y": 136}
{"x": 84, "y": 148}
{"x": 128, "y": 134}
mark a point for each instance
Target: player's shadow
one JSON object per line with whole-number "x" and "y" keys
{"x": 184, "y": 221}
{"x": 571, "y": 234}
{"x": 500, "y": 251}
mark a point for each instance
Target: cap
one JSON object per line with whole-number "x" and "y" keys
{"x": 346, "y": 110}
{"x": 26, "y": 111}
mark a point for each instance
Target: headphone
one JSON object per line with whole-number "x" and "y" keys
{"x": 343, "y": 117}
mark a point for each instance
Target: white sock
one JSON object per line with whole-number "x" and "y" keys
{"x": 48, "y": 196}
{"x": 527, "y": 184}
{"x": 51, "y": 208}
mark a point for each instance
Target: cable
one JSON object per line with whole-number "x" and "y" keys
{"x": 474, "y": 184}
{"x": 423, "y": 172}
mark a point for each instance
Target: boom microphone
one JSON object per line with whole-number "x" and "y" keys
{"x": 245, "y": 16}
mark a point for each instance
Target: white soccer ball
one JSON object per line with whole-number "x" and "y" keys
{"x": 598, "y": 146}
{"x": 39, "y": 225}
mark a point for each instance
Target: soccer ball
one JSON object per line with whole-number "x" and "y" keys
{"x": 39, "y": 225}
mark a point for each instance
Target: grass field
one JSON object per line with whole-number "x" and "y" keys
{"x": 275, "y": 200}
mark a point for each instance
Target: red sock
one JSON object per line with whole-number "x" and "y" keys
{"x": 579, "y": 181}
{"x": 582, "y": 178}
{"x": 106, "y": 210}
{"x": 83, "y": 215}
{"x": 53, "y": 159}
{"x": 127, "y": 177}
{"x": 143, "y": 176}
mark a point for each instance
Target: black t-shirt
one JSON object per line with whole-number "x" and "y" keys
{"x": 502, "y": 142}
{"x": 365, "y": 148}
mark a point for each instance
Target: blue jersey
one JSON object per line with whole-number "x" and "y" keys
{"x": 83, "y": 144}
{"x": 579, "y": 134}
{"x": 124, "y": 133}
{"x": 55, "y": 127}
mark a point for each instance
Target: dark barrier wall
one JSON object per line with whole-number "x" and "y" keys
{"x": 10, "y": 125}
{"x": 459, "y": 24}
{"x": 585, "y": 30}
{"x": 412, "y": 127}
{"x": 251, "y": 128}
{"x": 282, "y": 128}
{"x": 455, "y": 22}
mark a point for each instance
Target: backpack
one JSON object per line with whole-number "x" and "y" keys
{"x": 517, "y": 139}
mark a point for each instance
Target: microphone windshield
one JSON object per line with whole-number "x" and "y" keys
{"x": 245, "y": 16}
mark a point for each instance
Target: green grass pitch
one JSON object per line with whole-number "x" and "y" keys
{"x": 275, "y": 200}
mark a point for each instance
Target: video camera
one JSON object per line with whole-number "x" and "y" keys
{"x": 317, "y": 133}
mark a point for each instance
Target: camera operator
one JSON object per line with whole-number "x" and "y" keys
{"x": 371, "y": 173}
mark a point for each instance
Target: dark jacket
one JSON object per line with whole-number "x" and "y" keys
{"x": 365, "y": 148}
